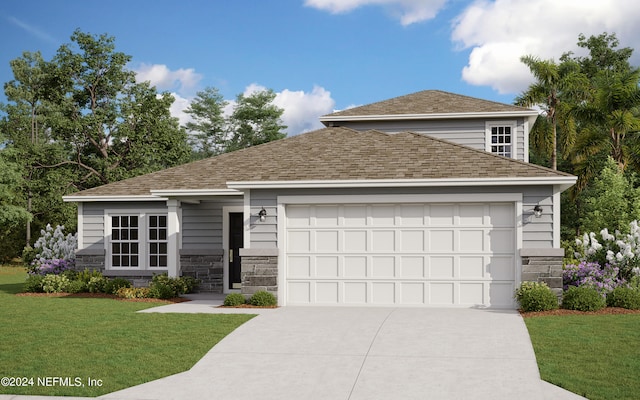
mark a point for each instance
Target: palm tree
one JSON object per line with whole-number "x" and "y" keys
{"x": 610, "y": 120}
{"x": 556, "y": 86}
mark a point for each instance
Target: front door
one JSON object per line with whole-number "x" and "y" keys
{"x": 236, "y": 237}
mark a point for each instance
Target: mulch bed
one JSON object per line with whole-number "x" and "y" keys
{"x": 103, "y": 296}
{"x": 604, "y": 311}
{"x": 246, "y": 306}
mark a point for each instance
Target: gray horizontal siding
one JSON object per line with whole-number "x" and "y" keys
{"x": 536, "y": 232}
{"x": 467, "y": 132}
{"x": 202, "y": 224}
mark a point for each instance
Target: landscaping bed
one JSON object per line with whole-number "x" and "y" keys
{"x": 562, "y": 311}
{"x": 104, "y": 296}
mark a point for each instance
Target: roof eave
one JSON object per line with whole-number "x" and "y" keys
{"x": 562, "y": 182}
{"x": 326, "y": 119}
{"x": 102, "y": 198}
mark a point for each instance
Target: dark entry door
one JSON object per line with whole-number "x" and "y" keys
{"x": 236, "y": 237}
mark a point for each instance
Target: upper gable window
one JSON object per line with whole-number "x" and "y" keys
{"x": 501, "y": 138}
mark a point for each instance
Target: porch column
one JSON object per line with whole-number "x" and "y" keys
{"x": 173, "y": 237}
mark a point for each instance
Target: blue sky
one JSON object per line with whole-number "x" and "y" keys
{"x": 321, "y": 55}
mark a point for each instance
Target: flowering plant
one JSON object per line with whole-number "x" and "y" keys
{"x": 55, "y": 252}
{"x": 55, "y": 267}
{"x": 602, "y": 278}
{"x": 618, "y": 250}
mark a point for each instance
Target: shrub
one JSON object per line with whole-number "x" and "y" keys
{"x": 583, "y": 298}
{"x": 602, "y": 278}
{"x": 54, "y": 266}
{"x": 97, "y": 284}
{"x": 159, "y": 290}
{"x": 190, "y": 283}
{"x": 33, "y": 284}
{"x": 234, "y": 299}
{"x": 536, "y": 296}
{"x": 133, "y": 292}
{"x": 114, "y": 284}
{"x": 263, "y": 299}
{"x": 55, "y": 283}
{"x": 86, "y": 275}
{"x": 53, "y": 244}
{"x": 624, "y": 297}
{"x": 76, "y": 287}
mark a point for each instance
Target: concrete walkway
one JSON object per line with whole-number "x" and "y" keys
{"x": 359, "y": 353}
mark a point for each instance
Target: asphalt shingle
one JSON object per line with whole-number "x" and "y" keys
{"x": 332, "y": 154}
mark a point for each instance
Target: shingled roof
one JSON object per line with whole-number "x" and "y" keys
{"x": 331, "y": 154}
{"x": 429, "y": 102}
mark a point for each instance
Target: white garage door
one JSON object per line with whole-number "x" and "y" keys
{"x": 401, "y": 254}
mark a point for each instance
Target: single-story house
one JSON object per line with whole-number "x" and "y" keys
{"x": 422, "y": 200}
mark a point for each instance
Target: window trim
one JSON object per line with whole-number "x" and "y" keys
{"x": 143, "y": 242}
{"x": 514, "y": 143}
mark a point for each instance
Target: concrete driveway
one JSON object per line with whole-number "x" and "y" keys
{"x": 363, "y": 353}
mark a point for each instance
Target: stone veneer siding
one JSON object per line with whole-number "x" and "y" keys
{"x": 543, "y": 265}
{"x": 206, "y": 266}
{"x": 259, "y": 271}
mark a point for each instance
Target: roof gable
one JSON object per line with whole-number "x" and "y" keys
{"x": 429, "y": 102}
{"x": 332, "y": 154}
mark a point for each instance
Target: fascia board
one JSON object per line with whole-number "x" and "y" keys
{"x": 196, "y": 192}
{"x": 89, "y": 199}
{"x": 561, "y": 182}
{"x": 395, "y": 117}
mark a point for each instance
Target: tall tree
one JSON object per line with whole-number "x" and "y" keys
{"x": 114, "y": 127}
{"x": 255, "y": 120}
{"x": 207, "y": 131}
{"x": 556, "y": 86}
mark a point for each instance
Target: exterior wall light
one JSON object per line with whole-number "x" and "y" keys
{"x": 262, "y": 214}
{"x": 537, "y": 211}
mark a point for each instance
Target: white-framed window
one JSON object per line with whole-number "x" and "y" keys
{"x": 136, "y": 240}
{"x": 501, "y": 138}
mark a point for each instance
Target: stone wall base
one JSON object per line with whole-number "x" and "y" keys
{"x": 206, "y": 266}
{"x": 543, "y": 265}
{"x": 259, "y": 271}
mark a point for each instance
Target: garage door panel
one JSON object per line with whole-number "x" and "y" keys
{"x": 299, "y": 267}
{"x": 441, "y": 215}
{"x": 502, "y": 268}
{"x": 441, "y": 293}
{"x": 403, "y": 254}
{"x": 383, "y": 293}
{"x": 299, "y": 241}
{"x": 501, "y": 240}
{"x": 355, "y": 292}
{"x": 472, "y": 267}
{"x": 412, "y": 267}
{"x": 441, "y": 267}
{"x": 355, "y": 267}
{"x": 471, "y": 293}
{"x": 327, "y": 292}
{"x": 472, "y": 240}
{"x": 412, "y": 241}
{"x": 327, "y": 267}
{"x": 326, "y": 216}
{"x": 326, "y": 241}
{"x": 441, "y": 241}
{"x": 355, "y": 241}
{"x": 383, "y": 241}
{"x": 383, "y": 267}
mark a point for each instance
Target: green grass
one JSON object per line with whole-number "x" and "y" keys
{"x": 97, "y": 338}
{"x": 595, "y": 356}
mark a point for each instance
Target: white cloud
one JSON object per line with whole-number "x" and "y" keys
{"x": 182, "y": 80}
{"x": 301, "y": 110}
{"x": 500, "y": 32}
{"x": 177, "y": 108}
{"x": 408, "y": 11}
{"x": 33, "y": 30}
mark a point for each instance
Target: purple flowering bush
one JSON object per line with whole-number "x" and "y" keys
{"x": 55, "y": 267}
{"x": 602, "y": 278}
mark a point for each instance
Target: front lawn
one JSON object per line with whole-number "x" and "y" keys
{"x": 595, "y": 356}
{"x": 52, "y": 343}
